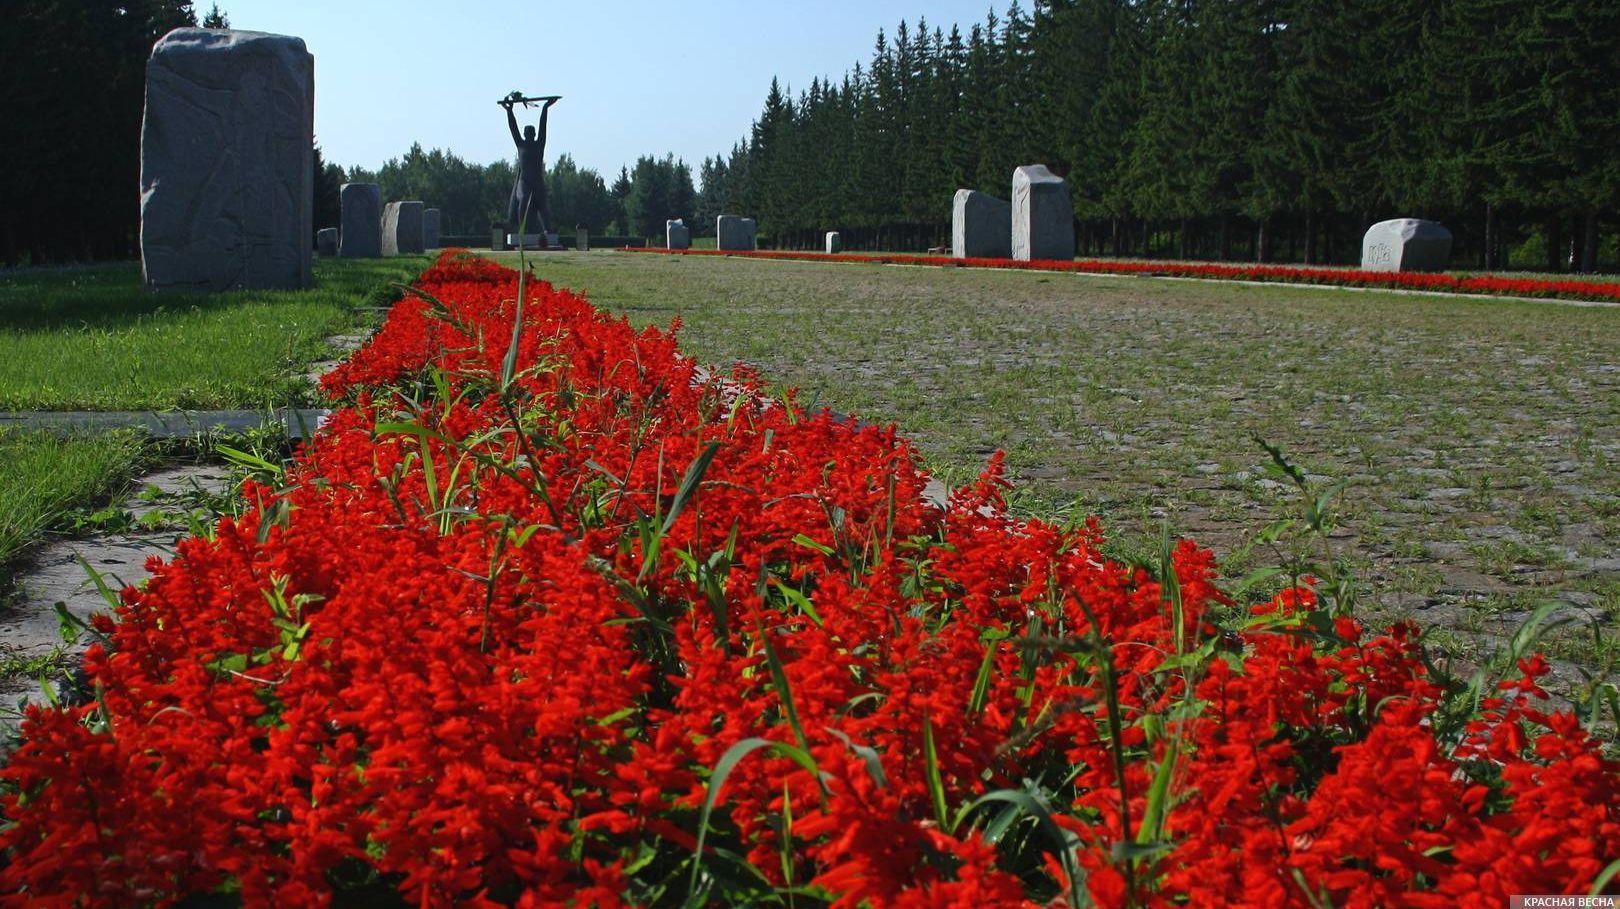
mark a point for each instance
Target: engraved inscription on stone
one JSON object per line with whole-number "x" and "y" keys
{"x": 1406, "y": 244}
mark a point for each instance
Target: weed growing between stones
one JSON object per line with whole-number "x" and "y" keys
{"x": 43, "y": 477}
{"x": 546, "y": 614}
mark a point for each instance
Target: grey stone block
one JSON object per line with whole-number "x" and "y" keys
{"x": 677, "y": 235}
{"x": 326, "y": 241}
{"x": 430, "y": 228}
{"x": 835, "y": 243}
{"x": 360, "y": 226}
{"x": 734, "y": 233}
{"x": 582, "y": 239}
{"x": 402, "y": 229}
{"x": 1406, "y": 244}
{"x": 981, "y": 226}
{"x": 1042, "y": 215}
{"x": 227, "y": 161}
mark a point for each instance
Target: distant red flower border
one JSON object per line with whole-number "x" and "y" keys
{"x": 1485, "y": 285}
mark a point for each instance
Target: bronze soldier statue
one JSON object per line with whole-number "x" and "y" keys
{"x": 529, "y": 208}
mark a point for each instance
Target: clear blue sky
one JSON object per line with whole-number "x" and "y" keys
{"x": 638, "y": 77}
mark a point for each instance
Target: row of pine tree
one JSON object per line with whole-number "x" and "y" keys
{"x": 1220, "y": 129}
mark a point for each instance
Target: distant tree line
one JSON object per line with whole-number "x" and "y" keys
{"x": 1254, "y": 129}
{"x": 472, "y": 197}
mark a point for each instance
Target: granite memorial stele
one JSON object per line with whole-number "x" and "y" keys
{"x": 677, "y": 235}
{"x": 981, "y": 226}
{"x": 227, "y": 164}
{"x": 360, "y": 221}
{"x": 1406, "y": 244}
{"x": 402, "y": 229}
{"x": 1042, "y": 215}
{"x": 733, "y": 233}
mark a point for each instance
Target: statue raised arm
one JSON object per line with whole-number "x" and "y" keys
{"x": 544, "y": 110}
{"x": 511, "y": 122}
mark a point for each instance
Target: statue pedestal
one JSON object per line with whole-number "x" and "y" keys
{"x": 544, "y": 243}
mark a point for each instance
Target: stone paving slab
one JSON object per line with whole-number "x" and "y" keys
{"x": 178, "y": 424}
{"x": 342, "y": 344}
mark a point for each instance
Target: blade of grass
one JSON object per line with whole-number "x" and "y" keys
{"x": 717, "y": 781}
{"x": 1037, "y": 809}
{"x": 779, "y": 681}
{"x": 936, "y": 784}
{"x": 689, "y": 484}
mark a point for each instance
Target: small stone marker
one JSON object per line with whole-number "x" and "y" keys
{"x": 582, "y": 239}
{"x": 734, "y": 233}
{"x": 402, "y": 229}
{"x": 227, "y": 168}
{"x": 1406, "y": 244}
{"x": 677, "y": 235}
{"x": 430, "y": 228}
{"x": 981, "y": 226}
{"x": 360, "y": 236}
{"x": 1042, "y": 215}
{"x": 835, "y": 243}
{"x": 326, "y": 241}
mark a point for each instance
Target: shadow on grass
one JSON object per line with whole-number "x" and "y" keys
{"x": 111, "y": 296}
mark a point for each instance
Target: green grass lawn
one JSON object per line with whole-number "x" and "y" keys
{"x": 95, "y": 339}
{"x": 43, "y": 477}
{"x": 1478, "y": 438}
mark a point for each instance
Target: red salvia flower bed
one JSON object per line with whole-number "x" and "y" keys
{"x": 526, "y": 630}
{"x": 1497, "y": 285}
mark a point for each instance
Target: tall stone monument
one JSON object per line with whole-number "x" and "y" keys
{"x": 677, "y": 235}
{"x": 734, "y": 233}
{"x": 834, "y": 242}
{"x": 227, "y": 161}
{"x": 430, "y": 228}
{"x": 402, "y": 229}
{"x": 1042, "y": 215}
{"x": 582, "y": 238}
{"x": 1406, "y": 244}
{"x": 981, "y": 226}
{"x": 326, "y": 241}
{"x": 360, "y": 226}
